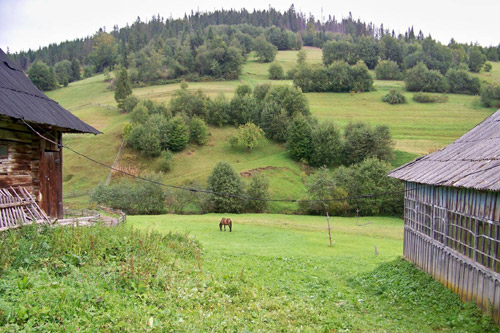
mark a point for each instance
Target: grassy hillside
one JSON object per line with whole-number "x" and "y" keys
{"x": 416, "y": 128}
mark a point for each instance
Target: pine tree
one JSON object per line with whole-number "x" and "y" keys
{"x": 123, "y": 88}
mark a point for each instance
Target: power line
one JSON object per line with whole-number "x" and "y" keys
{"x": 195, "y": 190}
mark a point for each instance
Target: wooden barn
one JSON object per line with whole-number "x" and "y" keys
{"x": 26, "y": 160}
{"x": 452, "y": 214}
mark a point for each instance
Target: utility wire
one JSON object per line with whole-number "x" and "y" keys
{"x": 195, "y": 190}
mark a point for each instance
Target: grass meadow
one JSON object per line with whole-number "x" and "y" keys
{"x": 180, "y": 273}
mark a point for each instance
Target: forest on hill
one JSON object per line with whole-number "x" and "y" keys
{"x": 214, "y": 45}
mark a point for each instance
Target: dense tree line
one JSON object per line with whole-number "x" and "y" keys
{"x": 214, "y": 45}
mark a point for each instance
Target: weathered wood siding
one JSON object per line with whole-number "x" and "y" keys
{"x": 22, "y": 163}
{"x": 453, "y": 234}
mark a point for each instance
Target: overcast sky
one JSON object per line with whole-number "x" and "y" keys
{"x": 28, "y": 24}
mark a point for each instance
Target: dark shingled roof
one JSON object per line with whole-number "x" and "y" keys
{"x": 473, "y": 161}
{"x": 19, "y": 98}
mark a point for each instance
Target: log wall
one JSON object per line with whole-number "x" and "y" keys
{"x": 453, "y": 234}
{"x": 21, "y": 156}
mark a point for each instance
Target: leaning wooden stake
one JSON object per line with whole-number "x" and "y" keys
{"x": 329, "y": 230}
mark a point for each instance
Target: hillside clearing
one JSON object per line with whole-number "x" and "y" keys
{"x": 416, "y": 128}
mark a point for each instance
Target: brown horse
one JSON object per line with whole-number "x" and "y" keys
{"x": 225, "y": 222}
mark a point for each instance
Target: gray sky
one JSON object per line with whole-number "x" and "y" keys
{"x": 28, "y": 24}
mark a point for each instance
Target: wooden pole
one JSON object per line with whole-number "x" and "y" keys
{"x": 329, "y": 230}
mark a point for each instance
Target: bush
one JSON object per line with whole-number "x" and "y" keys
{"x": 248, "y": 135}
{"x": 276, "y": 72}
{"x": 264, "y": 51}
{"x": 260, "y": 91}
{"x": 388, "y": 70}
{"x": 394, "y": 97}
{"x": 198, "y": 131}
{"x": 191, "y": 103}
{"x": 130, "y": 103}
{"x": 487, "y": 67}
{"x": 165, "y": 160}
{"x": 419, "y": 78}
{"x": 176, "y": 134}
{"x": 226, "y": 181}
{"x": 258, "y": 188}
{"x": 321, "y": 186}
{"x": 490, "y": 95}
{"x": 461, "y": 82}
{"x": 218, "y": 110}
{"x": 361, "y": 141}
{"x": 338, "y": 77}
{"x": 429, "y": 98}
{"x": 370, "y": 176}
{"x": 299, "y": 139}
{"x": 143, "y": 197}
{"x": 326, "y": 145}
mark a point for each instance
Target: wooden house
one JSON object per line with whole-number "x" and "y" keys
{"x": 452, "y": 214}
{"x": 26, "y": 160}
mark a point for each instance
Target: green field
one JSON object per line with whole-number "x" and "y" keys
{"x": 416, "y": 128}
{"x": 180, "y": 273}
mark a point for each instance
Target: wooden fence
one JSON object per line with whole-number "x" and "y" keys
{"x": 18, "y": 207}
{"x": 453, "y": 234}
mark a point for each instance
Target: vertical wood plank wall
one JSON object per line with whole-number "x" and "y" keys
{"x": 453, "y": 234}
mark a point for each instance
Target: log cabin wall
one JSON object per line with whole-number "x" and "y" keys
{"x": 454, "y": 235}
{"x": 23, "y": 162}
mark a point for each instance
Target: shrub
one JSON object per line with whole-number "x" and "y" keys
{"x": 244, "y": 90}
{"x": 490, "y": 95}
{"x": 176, "y": 134}
{"x": 248, "y": 135}
{"x": 140, "y": 114}
{"x": 258, "y": 188}
{"x": 370, "y": 176}
{"x": 429, "y": 98}
{"x": 165, "y": 160}
{"x": 265, "y": 51}
{"x": 198, "y": 131}
{"x": 461, "y": 82}
{"x": 388, "y": 70}
{"x": 419, "y": 78}
{"x": 191, "y": 103}
{"x": 130, "y": 103}
{"x": 276, "y": 72}
{"x": 361, "y": 141}
{"x": 218, "y": 110}
{"x": 338, "y": 77}
{"x": 242, "y": 109}
{"x": 394, "y": 97}
{"x": 290, "y": 99}
{"x": 487, "y": 67}
{"x": 321, "y": 186}
{"x": 274, "y": 121}
{"x": 260, "y": 91}
{"x": 360, "y": 77}
{"x": 143, "y": 197}
{"x": 339, "y": 51}
{"x": 476, "y": 59}
{"x": 227, "y": 182}
{"x": 326, "y": 145}
{"x": 299, "y": 139}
